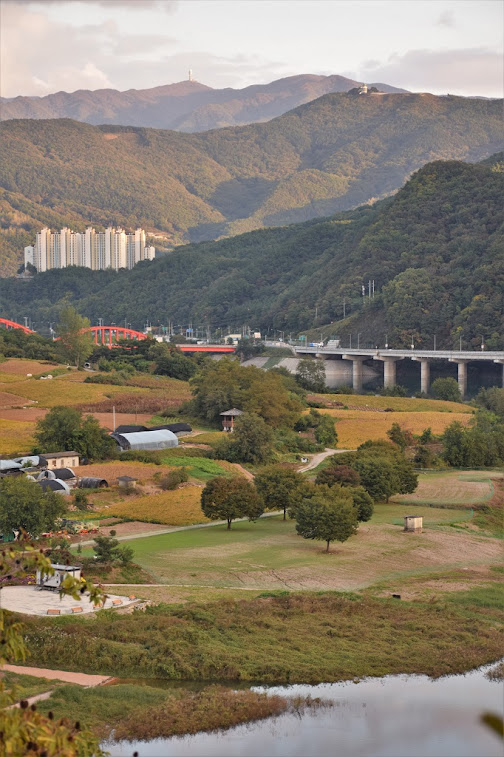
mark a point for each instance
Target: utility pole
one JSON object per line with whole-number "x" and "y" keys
{"x": 344, "y": 307}
{"x": 350, "y": 341}
{"x": 434, "y": 342}
{"x": 386, "y": 341}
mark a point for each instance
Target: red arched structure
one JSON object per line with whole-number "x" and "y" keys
{"x": 108, "y": 336}
{"x": 13, "y": 325}
{"x": 104, "y": 335}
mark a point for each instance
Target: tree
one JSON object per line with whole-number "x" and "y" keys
{"x": 170, "y": 361}
{"x": 324, "y": 431}
{"x": 311, "y": 375}
{"x": 105, "y": 548}
{"x": 280, "y": 488}
{"x": 221, "y": 385}
{"x": 25, "y": 505}
{"x": 75, "y": 340}
{"x": 327, "y": 517}
{"x": 81, "y": 501}
{"x": 384, "y": 470}
{"x": 230, "y": 498}
{"x": 24, "y": 730}
{"x": 492, "y": 399}
{"x": 363, "y": 502}
{"x": 250, "y": 442}
{"x": 338, "y": 474}
{"x": 446, "y": 389}
{"x": 63, "y": 428}
{"x": 402, "y": 437}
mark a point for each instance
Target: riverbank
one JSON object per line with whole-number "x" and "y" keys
{"x": 282, "y": 637}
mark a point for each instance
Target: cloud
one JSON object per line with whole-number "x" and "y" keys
{"x": 474, "y": 71}
{"x": 167, "y": 5}
{"x": 41, "y": 54}
{"x": 446, "y": 19}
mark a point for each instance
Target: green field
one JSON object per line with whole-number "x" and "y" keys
{"x": 270, "y": 555}
{"x": 453, "y": 487}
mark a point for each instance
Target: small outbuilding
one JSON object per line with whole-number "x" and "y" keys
{"x": 60, "y": 573}
{"x": 64, "y": 474}
{"x": 90, "y": 482}
{"x": 62, "y": 459}
{"x": 125, "y": 481}
{"x": 146, "y": 440}
{"x": 179, "y": 429}
{"x": 54, "y": 485}
{"x": 413, "y": 524}
{"x": 32, "y": 461}
{"x": 8, "y": 466}
{"x": 229, "y": 417}
{"x": 125, "y": 429}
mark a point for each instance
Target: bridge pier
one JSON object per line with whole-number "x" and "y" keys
{"x": 357, "y": 361}
{"x": 501, "y": 362}
{"x": 424, "y": 373}
{"x": 461, "y": 375}
{"x": 389, "y": 371}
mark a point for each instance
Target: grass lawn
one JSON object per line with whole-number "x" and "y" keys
{"x": 451, "y": 488}
{"x": 270, "y": 555}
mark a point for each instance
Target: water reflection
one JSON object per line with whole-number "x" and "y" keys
{"x": 396, "y": 716}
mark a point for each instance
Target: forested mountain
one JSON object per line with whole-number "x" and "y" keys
{"x": 335, "y": 153}
{"x": 184, "y": 106}
{"x": 435, "y": 252}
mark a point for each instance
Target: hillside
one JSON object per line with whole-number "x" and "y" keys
{"x": 185, "y": 106}
{"x": 335, "y": 153}
{"x": 435, "y": 251}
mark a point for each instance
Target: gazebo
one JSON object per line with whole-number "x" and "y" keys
{"x": 228, "y": 418}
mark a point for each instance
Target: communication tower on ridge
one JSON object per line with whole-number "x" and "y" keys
{"x": 190, "y": 75}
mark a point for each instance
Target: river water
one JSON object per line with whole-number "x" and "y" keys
{"x": 395, "y": 716}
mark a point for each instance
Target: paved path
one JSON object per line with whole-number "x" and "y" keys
{"x": 82, "y": 679}
{"x": 317, "y": 459}
{"x": 174, "y": 529}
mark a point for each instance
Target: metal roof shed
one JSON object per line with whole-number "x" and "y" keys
{"x": 161, "y": 439}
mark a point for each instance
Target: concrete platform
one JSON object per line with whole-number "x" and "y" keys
{"x": 29, "y": 600}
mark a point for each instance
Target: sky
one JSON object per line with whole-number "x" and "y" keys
{"x": 436, "y": 46}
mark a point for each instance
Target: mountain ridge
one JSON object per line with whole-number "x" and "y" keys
{"x": 187, "y": 106}
{"x": 435, "y": 251}
{"x": 337, "y": 152}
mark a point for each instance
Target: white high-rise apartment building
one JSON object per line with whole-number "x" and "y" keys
{"x": 98, "y": 250}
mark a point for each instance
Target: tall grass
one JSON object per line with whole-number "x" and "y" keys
{"x": 309, "y": 638}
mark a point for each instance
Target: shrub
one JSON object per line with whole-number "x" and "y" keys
{"x": 171, "y": 480}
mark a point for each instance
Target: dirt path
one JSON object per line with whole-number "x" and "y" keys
{"x": 82, "y": 679}
{"x": 173, "y": 529}
{"x": 317, "y": 459}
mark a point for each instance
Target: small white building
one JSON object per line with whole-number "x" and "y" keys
{"x": 413, "y": 524}
{"x": 62, "y": 459}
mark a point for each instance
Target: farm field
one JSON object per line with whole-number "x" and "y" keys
{"x": 357, "y": 426}
{"x": 451, "y": 488}
{"x": 181, "y": 507}
{"x": 270, "y": 555}
{"x": 399, "y": 404}
{"x": 15, "y": 436}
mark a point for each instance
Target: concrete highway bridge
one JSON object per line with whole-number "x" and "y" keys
{"x": 389, "y": 359}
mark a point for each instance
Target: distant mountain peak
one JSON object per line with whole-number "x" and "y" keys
{"x": 186, "y": 106}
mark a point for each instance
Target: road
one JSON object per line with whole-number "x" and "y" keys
{"x": 317, "y": 459}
